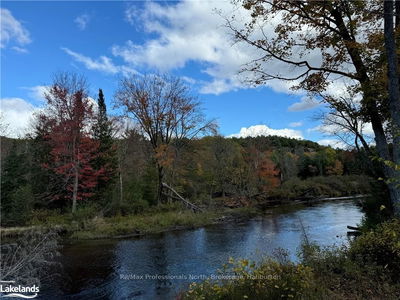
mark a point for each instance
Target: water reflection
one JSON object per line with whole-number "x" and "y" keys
{"x": 118, "y": 269}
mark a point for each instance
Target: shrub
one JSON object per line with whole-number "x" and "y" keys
{"x": 379, "y": 247}
{"x": 332, "y": 186}
{"x": 269, "y": 280}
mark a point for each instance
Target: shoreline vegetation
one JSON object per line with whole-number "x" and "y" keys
{"x": 87, "y": 224}
{"x": 367, "y": 268}
{"x": 105, "y": 228}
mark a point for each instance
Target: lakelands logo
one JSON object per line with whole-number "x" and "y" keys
{"x": 8, "y": 289}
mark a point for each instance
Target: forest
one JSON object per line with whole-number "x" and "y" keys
{"x": 155, "y": 182}
{"x": 78, "y": 156}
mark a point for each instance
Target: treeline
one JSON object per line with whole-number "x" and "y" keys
{"x": 78, "y": 155}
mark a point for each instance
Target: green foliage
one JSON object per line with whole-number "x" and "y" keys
{"x": 380, "y": 247}
{"x": 286, "y": 162}
{"x": 205, "y": 171}
{"x": 21, "y": 201}
{"x": 269, "y": 280}
{"x": 145, "y": 223}
{"x": 366, "y": 269}
{"x": 332, "y": 186}
{"x": 66, "y": 220}
{"x": 107, "y": 152}
{"x": 149, "y": 185}
{"x": 344, "y": 277}
{"x": 47, "y": 217}
{"x": 16, "y": 194}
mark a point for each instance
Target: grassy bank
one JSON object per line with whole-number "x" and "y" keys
{"x": 86, "y": 224}
{"x": 150, "y": 223}
{"x": 367, "y": 269}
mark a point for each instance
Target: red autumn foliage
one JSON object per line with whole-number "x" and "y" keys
{"x": 268, "y": 171}
{"x": 68, "y": 115}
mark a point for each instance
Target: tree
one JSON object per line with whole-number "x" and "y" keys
{"x": 391, "y": 9}
{"x": 67, "y": 116}
{"x": 106, "y": 159}
{"x": 16, "y": 197}
{"x": 344, "y": 120}
{"x": 323, "y": 42}
{"x": 166, "y": 112}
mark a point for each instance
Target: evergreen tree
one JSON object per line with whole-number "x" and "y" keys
{"x": 14, "y": 180}
{"x": 107, "y": 158}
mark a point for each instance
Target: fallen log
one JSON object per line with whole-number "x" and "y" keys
{"x": 179, "y": 197}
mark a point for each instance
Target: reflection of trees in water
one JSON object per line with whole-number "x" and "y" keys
{"x": 86, "y": 264}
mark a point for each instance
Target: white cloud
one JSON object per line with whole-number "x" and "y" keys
{"x": 37, "y": 92}
{"x": 304, "y": 104}
{"x": 263, "y": 130}
{"x": 333, "y": 143}
{"x": 189, "y": 31}
{"x": 192, "y": 31}
{"x": 17, "y": 114}
{"x": 131, "y": 14}
{"x": 296, "y": 124}
{"x": 103, "y": 64}
{"x": 19, "y": 49}
{"x": 82, "y": 21}
{"x": 12, "y": 30}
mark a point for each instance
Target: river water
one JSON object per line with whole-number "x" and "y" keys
{"x": 159, "y": 266}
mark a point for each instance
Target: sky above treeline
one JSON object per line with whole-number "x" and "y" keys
{"x": 107, "y": 40}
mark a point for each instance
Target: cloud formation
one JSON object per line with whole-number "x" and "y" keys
{"x": 82, "y": 21}
{"x": 103, "y": 64}
{"x": 333, "y": 143}
{"x": 188, "y": 31}
{"x": 37, "y": 92}
{"x": 195, "y": 31}
{"x": 305, "y": 103}
{"x": 16, "y": 114}
{"x": 296, "y": 124}
{"x": 263, "y": 130}
{"x": 12, "y": 31}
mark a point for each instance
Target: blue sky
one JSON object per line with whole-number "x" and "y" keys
{"x": 108, "y": 40}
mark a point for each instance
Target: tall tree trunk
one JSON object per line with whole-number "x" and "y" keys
{"x": 369, "y": 98}
{"x": 75, "y": 189}
{"x": 393, "y": 91}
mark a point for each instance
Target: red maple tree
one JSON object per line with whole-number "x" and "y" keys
{"x": 68, "y": 115}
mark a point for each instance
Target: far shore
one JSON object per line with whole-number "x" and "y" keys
{"x": 136, "y": 225}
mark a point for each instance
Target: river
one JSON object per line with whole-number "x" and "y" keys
{"x": 159, "y": 266}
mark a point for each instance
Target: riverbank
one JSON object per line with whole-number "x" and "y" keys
{"x": 152, "y": 222}
{"x": 86, "y": 226}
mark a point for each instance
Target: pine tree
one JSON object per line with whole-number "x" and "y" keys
{"x": 107, "y": 158}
